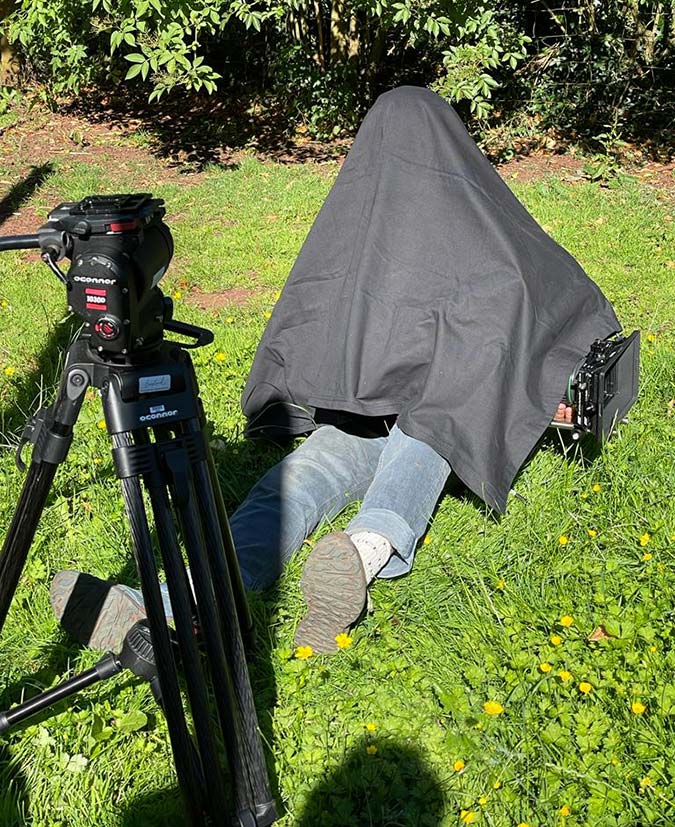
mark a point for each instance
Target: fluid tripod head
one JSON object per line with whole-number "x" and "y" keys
{"x": 119, "y": 248}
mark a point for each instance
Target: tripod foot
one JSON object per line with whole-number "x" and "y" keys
{"x": 95, "y": 612}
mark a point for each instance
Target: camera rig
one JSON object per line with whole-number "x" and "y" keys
{"x": 603, "y": 387}
{"x": 119, "y": 248}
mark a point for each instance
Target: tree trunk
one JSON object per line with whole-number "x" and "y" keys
{"x": 344, "y": 36}
{"x": 8, "y": 62}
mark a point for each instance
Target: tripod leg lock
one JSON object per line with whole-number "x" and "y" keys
{"x": 50, "y": 446}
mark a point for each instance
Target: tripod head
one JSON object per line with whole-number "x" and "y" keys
{"x": 119, "y": 248}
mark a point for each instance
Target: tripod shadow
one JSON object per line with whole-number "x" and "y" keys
{"x": 22, "y": 190}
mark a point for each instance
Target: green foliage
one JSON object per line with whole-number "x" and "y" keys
{"x": 168, "y": 38}
{"x": 487, "y": 46}
{"x": 57, "y": 43}
{"x": 576, "y": 66}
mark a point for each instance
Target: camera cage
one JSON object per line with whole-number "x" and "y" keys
{"x": 603, "y": 387}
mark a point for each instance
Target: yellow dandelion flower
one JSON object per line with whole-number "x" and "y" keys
{"x": 566, "y": 621}
{"x": 563, "y": 540}
{"x": 556, "y": 640}
{"x": 646, "y": 537}
{"x": 220, "y": 356}
{"x": 545, "y": 667}
{"x": 651, "y": 337}
{"x": 267, "y": 314}
{"x": 592, "y": 532}
{"x": 371, "y": 727}
{"x": 647, "y": 556}
{"x": 343, "y": 640}
{"x": 615, "y": 762}
{"x": 496, "y": 785}
{"x": 585, "y": 687}
{"x": 459, "y": 765}
{"x": 646, "y": 782}
{"x": 229, "y": 320}
{"x": 564, "y": 675}
{"x": 371, "y": 749}
{"x": 101, "y": 424}
{"x": 9, "y": 371}
{"x": 564, "y": 811}
{"x": 277, "y": 295}
{"x": 483, "y": 800}
{"x": 653, "y": 648}
{"x": 500, "y": 584}
{"x": 597, "y": 487}
{"x": 426, "y": 540}
{"x": 304, "y": 652}
{"x": 523, "y": 824}
{"x": 467, "y": 816}
{"x": 177, "y": 295}
{"x": 493, "y": 708}
{"x": 637, "y": 708}
{"x": 4, "y": 303}
{"x": 584, "y": 495}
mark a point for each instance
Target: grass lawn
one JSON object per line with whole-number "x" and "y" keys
{"x": 393, "y": 730}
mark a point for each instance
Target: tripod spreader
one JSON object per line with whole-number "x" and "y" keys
{"x": 137, "y": 655}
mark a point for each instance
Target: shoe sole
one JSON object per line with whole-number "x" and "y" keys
{"x": 334, "y": 586}
{"x": 76, "y": 596}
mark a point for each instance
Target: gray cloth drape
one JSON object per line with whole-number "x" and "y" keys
{"x": 425, "y": 289}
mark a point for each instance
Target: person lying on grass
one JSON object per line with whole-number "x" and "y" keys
{"x": 429, "y": 324}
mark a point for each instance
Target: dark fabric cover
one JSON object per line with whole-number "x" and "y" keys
{"x": 425, "y": 289}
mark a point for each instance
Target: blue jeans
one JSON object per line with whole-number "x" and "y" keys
{"x": 398, "y": 480}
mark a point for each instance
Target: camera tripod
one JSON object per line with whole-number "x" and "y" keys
{"x": 161, "y": 454}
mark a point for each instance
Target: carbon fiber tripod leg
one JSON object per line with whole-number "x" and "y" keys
{"x": 234, "y": 647}
{"x": 51, "y": 431}
{"x": 251, "y": 808}
{"x": 189, "y": 782}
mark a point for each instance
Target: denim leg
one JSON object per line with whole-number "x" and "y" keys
{"x": 409, "y": 479}
{"x": 327, "y": 472}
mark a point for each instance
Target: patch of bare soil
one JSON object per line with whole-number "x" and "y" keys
{"x": 220, "y": 299}
{"x": 528, "y": 168}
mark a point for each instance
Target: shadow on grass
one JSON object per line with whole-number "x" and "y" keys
{"x": 176, "y": 128}
{"x": 23, "y": 190}
{"x": 393, "y": 786}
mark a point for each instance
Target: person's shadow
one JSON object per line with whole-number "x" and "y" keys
{"x": 382, "y": 783}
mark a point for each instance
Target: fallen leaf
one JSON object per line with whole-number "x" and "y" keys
{"x": 599, "y": 633}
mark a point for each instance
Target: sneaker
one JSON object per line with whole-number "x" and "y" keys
{"x": 334, "y": 586}
{"x": 95, "y": 612}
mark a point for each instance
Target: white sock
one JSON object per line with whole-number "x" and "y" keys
{"x": 374, "y": 551}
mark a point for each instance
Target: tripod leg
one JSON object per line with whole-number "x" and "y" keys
{"x": 230, "y": 712}
{"x": 243, "y": 611}
{"x": 235, "y": 652}
{"x": 52, "y": 433}
{"x": 181, "y": 604}
{"x": 166, "y": 667}
{"x": 22, "y": 530}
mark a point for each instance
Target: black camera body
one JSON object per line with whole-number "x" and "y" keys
{"x": 603, "y": 387}
{"x": 119, "y": 249}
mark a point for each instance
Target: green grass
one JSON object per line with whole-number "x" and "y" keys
{"x": 472, "y": 622}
